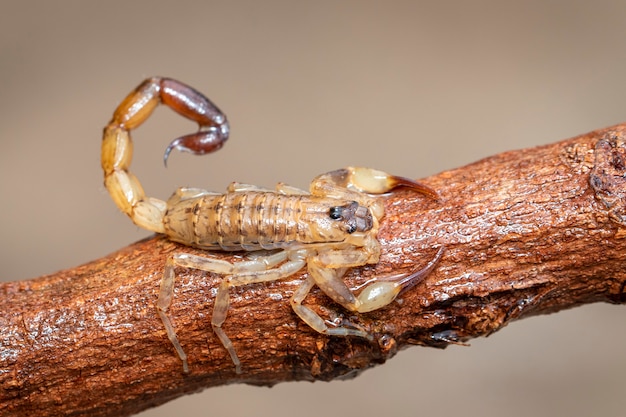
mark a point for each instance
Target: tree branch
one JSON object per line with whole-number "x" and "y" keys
{"x": 526, "y": 232}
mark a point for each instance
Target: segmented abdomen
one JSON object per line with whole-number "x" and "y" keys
{"x": 240, "y": 220}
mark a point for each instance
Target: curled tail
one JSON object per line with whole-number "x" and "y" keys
{"x": 117, "y": 148}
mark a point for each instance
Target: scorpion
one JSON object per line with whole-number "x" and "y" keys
{"x": 329, "y": 229}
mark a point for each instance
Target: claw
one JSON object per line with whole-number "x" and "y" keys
{"x": 414, "y": 185}
{"x": 378, "y": 182}
{"x": 384, "y": 290}
{"x": 416, "y": 277}
{"x": 365, "y": 180}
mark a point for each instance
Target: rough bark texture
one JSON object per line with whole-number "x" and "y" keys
{"x": 526, "y": 232}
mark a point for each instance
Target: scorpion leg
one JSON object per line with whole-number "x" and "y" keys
{"x": 375, "y": 295}
{"x": 238, "y": 187}
{"x": 294, "y": 263}
{"x": 186, "y": 193}
{"x": 286, "y": 189}
{"x": 259, "y": 269}
{"x": 313, "y": 319}
{"x": 281, "y": 188}
{"x": 166, "y": 292}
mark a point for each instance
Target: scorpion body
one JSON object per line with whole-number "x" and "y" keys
{"x": 257, "y": 220}
{"x": 329, "y": 229}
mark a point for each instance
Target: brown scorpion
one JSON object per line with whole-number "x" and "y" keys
{"x": 329, "y": 229}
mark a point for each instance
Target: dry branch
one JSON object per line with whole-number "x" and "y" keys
{"x": 526, "y": 232}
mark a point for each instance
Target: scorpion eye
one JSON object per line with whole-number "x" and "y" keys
{"x": 351, "y": 228}
{"x": 335, "y": 213}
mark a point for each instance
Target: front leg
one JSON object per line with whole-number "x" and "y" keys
{"x": 314, "y": 320}
{"x": 375, "y": 295}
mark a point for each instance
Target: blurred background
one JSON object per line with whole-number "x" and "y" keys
{"x": 408, "y": 87}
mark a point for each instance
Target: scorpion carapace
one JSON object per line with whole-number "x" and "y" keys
{"x": 329, "y": 229}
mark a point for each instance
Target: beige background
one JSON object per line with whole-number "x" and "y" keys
{"x": 407, "y": 87}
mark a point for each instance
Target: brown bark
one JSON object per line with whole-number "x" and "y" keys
{"x": 526, "y": 232}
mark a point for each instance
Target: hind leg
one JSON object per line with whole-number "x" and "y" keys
{"x": 259, "y": 269}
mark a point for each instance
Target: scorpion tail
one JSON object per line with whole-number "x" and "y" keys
{"x": 123, "y": 186}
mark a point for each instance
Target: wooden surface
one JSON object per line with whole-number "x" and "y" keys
{"x": 526, "y": 232}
